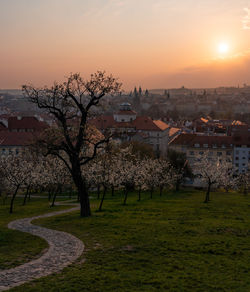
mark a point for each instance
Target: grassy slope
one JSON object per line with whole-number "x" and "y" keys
{"x": 174, "y": 243}
{"x": 17, "y": 247}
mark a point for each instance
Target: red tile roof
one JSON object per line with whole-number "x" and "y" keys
{"x": 173, "y": 131}
{"x": 15, "y": 138}
{"x": 160, "y": 124}
{"x": 16, "y": 123}
{"x": 191, "y": 140}
{"x": 140, "y": 123}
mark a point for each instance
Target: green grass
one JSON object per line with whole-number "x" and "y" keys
{"x": 173, "y": 243}
{"x": 18, "y": 247}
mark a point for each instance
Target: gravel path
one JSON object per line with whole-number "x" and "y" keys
{"x": 64, "y": 248}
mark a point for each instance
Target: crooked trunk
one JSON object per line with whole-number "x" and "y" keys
{"x": 151, "y": 193}
{"x": 207, "y": 198}
{"x": 54, "y": 199}
{"x": 112, "y": 191}
{"x": 13, "y": 198}
{"x": 26, "y": 195}
{"x": 177, "y": 185}
{"x": 125, "y": 196}
{"x": 139, "y": 194}
{"x": 103, "y": 196}
{"x": 82, "y": 190}
{"x": 98, "y": 191}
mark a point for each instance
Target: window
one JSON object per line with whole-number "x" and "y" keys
{"x": 236, "y": 158}
{"x": 205, "y": 145}
{"x": 191, "y": 152}
{"x": 201, "y": 152}
{"x": 229, "y": 153}
{"x": 196, "y": 145}
{"x": 237, "y": 164}
{"x": 210, "y": 153}
{"x": 237, "y": 152}
{"x": 17, "y": 151}
{"x": 219, "y": 153}
{"x": 214, "y": 145}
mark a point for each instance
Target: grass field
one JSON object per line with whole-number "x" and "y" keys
{"x": 173, "y": 243}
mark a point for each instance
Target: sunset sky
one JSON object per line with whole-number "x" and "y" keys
{"x": 152, "y": 43}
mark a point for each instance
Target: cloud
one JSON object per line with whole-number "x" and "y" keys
{"x": 218, "y": 72}
{"x": 246, "y": 19}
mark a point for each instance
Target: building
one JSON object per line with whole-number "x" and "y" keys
{"x": 26, "y": 124}
{"x": 16, "y": 133}
{"x": 12, "y": 143}
{"x": 125, "y": 126}
{"x": 194, "y": 146}
{"x": 241, "y": 140}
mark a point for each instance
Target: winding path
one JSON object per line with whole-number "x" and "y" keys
{"x": 64, "y": 248}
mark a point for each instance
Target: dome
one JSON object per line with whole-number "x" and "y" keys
{"x": 125, "y": 106}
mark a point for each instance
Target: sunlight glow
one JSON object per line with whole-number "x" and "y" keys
{"x": 223, "y": 48}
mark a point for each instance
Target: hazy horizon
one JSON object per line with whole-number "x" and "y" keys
{"x": 148, "y": 43}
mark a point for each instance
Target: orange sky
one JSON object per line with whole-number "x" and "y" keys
{"x": 152, "y": 43}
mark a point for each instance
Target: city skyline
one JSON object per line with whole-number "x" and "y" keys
{"x": 155, "y": 44}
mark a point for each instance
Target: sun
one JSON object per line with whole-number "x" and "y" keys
{"x": 223, "y": 48}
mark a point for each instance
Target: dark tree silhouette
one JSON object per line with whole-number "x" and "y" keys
{"x": 72, "y": 139}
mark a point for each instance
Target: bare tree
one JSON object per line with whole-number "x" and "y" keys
{"x": 71, "y": 139}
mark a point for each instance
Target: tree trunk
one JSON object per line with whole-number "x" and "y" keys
{"x": 98, "y": 192}
{"x": 103, "y": 196}
{"x": 82, "y": 189}
{"x": 13, "y": 198}
{"x": 26, "y": 195}
{"x": 177, "y": 185}
{"x": 161, "y": 189}
{"x": 49, "y": 194}
{"x": 112, "y": 191}
{"x": 54, "y": 199}
{"x": 139, "y": 195}
{"x": 125, "y": 196}
{"x": 151, "y": 193}
{"x": 207, "y": 198}
{"x": 29, "y": 195}
{"x": 85, "y": 204}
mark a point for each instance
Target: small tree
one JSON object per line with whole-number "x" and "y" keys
{"x": 180, "y": 165}
{"x": 15, "y": 174}
{"x": 210, "y": 172}
{"x": 243, "y": 180}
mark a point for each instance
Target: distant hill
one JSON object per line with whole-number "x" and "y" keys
{"x": 11, "y": 91}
